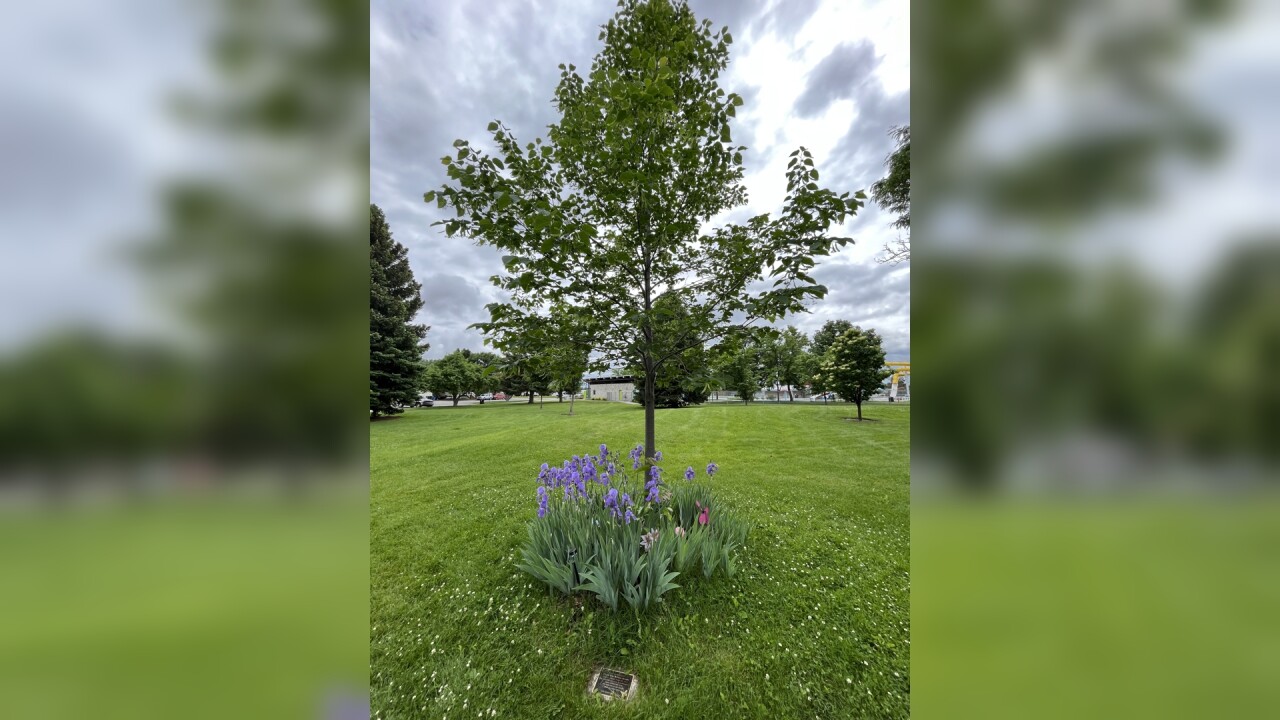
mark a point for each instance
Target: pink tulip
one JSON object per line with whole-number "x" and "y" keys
{"x": 702, "y": 519}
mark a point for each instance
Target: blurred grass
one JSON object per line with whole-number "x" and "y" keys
{"x": 1130, "y": 608}
{"x": 214, "y": 608}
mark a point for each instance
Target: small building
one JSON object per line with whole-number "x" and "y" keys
{"x": 618, "y": 388}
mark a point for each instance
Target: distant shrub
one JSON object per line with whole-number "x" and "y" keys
{"x": 610, "y": 528}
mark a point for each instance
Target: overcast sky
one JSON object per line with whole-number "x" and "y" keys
{"x": 832, "y": 76}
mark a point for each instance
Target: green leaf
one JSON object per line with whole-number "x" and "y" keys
{"x": 440, "y": 202}
{"x": 493, "y": 126}
{"x": 428, "y": 196}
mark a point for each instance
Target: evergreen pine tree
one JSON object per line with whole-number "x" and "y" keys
{"x": 395, "y": 347}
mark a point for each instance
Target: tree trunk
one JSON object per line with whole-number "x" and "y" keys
{"x": 570, "y": 405}
{"x": 650, "y": 379}
{"x": 790, "y": 396}
{"x": 858, "y": 402}
{"x": 455, "y": 400}
{"x": 530, "y": 397}
{"x": 561, "y": 395}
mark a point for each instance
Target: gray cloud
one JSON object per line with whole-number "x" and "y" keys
{"x": 871, "y": 295}
{"x": 786, "y": 17}
{"x": 453, "y": 297}
{"x": 737, "y": 15}
{"x": 848, "y": 73}
{"x": 843, "y": 74}
{"x": 859, "y": 157}
{"x": 442, "y": 71}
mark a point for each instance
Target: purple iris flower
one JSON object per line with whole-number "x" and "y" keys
{"x": 629, "y": 516}
{"x": 542, "y": 501}
{"x": 653, "y": 484}
{"x": 657, "y": 455}
{"x": 711, "y": 469}
{"x": 689, "y": 473}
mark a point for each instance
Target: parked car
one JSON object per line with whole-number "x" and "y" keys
{"x": 487, "y": 396}
{"x": 500, "y": 396}
{"x": 426, "y": 399}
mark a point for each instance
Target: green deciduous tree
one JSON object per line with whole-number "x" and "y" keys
{"x": 787, "y": 357}
{"x": 606, "y": 214}
{"x": 854, "y": 366}
{"x": 566, "y": 342}
{"x": 739, "y": 365}
{"x": 453, "y": 375}
{"x": 893, "y": 193}
{"x": 685, "y": 377}
{"x": 826, "y": 336}
{"x": 395, "y": 342}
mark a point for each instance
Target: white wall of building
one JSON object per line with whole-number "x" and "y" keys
{"x": 616, "y": 392}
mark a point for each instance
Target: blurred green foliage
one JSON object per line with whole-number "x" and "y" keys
{"x": 1095, "y": 333}
{"x": 184, "y": 505}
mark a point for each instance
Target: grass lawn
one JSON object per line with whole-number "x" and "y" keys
{"x": 815, "y": 623}
{"x": 1122, "y": 607}
{"x": 195, "y": 608}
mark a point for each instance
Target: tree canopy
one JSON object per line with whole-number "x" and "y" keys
{"x": 854, "y": 366}
{"x": 606, "y": 214}
{"x": 685, "y": 378}
{"x": 739, "y": 367}
{"x": 787, "y": 357}
{"x": 453, "y": 375}
{"x": 893, "y": 193}
{"x": 827, "y": 334}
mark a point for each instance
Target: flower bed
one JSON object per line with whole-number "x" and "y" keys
{"x": 617, "y": 530}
